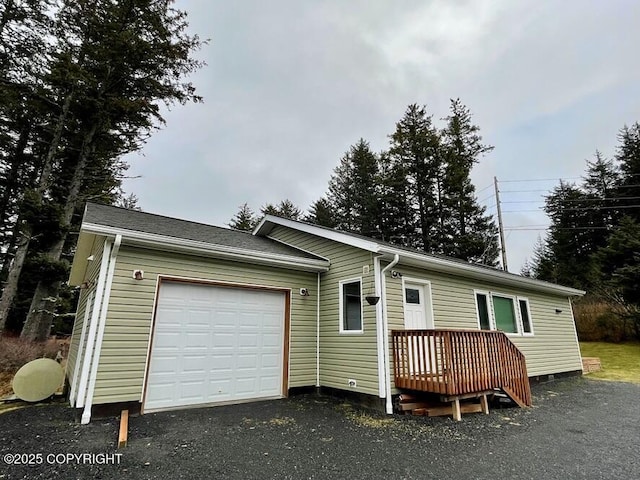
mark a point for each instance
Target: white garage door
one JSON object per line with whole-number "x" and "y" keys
{"x": 215, "y": 344}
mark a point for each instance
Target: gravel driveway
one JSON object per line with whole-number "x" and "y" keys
{"x": 577, "y": 429}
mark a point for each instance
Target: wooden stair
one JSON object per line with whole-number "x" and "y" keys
{"x": 460, "y": 364}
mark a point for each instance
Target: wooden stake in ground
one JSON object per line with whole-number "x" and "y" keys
{"x": 124, "y": 429}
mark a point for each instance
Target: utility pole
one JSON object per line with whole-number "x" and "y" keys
{"x": 503, "y": 247}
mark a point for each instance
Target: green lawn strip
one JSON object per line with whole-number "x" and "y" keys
{"x": 620, "y": 361}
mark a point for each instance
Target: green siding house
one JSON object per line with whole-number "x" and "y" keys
{"x": 176, "y": 314}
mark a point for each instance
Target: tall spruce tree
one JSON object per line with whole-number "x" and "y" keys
{"x": 286, "y": 209}
{"x": 321, "y": 213}
{"x": 465, "y": 230}
{"x": 109, "y": 66}
{"x": 354, "y": 191}
{"x": 628, "y": 158}
{"x": 244, "y": 220}
{"x": 415, "y": 153}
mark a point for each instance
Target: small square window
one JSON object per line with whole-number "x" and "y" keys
{"x": 412, "y": 295}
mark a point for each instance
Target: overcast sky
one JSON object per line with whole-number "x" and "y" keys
{"x": 290, "y": 85}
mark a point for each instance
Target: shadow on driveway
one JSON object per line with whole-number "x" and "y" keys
{"x": 577, "y": 429}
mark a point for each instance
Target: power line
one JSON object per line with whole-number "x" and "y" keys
{"x": 539, "y": 180}
{"x": 603, "y": 199}
{"x": 485, "y": 188}
{"x": 487, "y": 198}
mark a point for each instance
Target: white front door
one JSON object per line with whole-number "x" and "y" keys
{"x": 214, "y": 344}
{"x": 417, "y": 308}
{"x": 417, "y": 316}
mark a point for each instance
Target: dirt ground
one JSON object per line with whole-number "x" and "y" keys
{"x": 577, "y": 429}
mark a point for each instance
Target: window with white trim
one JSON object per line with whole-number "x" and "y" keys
{"x": 525, "y": 316}
{"x": 351, "y": 306}
{"x": 507, "y": 313}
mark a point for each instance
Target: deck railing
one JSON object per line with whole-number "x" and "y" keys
{"x": 459, "y": 362}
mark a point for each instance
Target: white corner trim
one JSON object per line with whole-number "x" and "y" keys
{"x": 86, "y": 414}
{"x": 79, "y": 353}
{"x": 382, "y": 386}
{"x": 385, "y": 320}
{"x": 152, "y": 322}
{"x": 88, "y": 352}
{"x": 575, "y": 332}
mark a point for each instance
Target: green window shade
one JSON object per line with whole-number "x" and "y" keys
{"x": 524, "y": 314}
{"x": 483, "y": 311}
{"x": 352, "y": 306}
{"x": 505, "y": 314}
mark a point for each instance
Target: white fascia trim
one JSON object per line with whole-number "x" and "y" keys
{"x": 95, "y": 314}
{"x": 204, "y": 248}
{"x": 334, "y": 235}
{"x": 86, "y": 414}
{"x": 76, "y": 369}
{"x": 382, "y": 386}
{"x": 482, "y": 273}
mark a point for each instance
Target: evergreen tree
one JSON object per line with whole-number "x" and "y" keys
{"x": 415, "y": 151}
{"x": 285, "y": 209}
{"x": 619, "y": 262}
{"x": 542, "y": 265}
{"x": 244, "y": 220}
{"x": 321, "y": 213}
{"x": 568, "y": 240}
{"x": 466, "y": 232}
{"x": 354, "y": 192}
{"x": 397, "y": 216}
{"x": 109, "y": 65}
{"x": 628, "y": 158}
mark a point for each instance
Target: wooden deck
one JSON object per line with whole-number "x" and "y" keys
{"x": 459, "y": 363}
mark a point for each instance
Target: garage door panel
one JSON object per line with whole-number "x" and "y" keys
{"x": 215, "y": 344}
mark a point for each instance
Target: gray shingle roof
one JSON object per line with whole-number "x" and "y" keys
{"x": 125, "y": 219}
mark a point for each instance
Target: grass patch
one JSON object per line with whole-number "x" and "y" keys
{"x": 620, "y": 361}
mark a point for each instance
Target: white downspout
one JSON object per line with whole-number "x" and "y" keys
{"x": 382, "y": 384}
{"x": 86, "y": 414}
{"x": 385, "y": 321}
{"x": 95, "y": 314}
{"x": 318, "y": 334}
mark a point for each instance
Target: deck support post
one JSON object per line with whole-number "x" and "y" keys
{"x": 484, "y": 404}
{"x": 457, "y": 415}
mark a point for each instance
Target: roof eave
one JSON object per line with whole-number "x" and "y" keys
{"x": 269, "y": 221}
{"x": 80, "y": 262}
{"x": 162, "y": 242}
{"x": 480, "y": 273}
